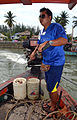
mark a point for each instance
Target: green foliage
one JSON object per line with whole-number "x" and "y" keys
{"x": 62, "y": 19}
{"x": 75, "y": 21}
{"x": 57, "y": 19}
{"x": 75, "y": 38}
{"x": 9, "y": 19}
{"x": 23, "y": 38}
{"x": 19, "y": 28}
{"x": 3, "y": 29}
{"x": 32, "y": 30}
{"x": 69, "y": 37}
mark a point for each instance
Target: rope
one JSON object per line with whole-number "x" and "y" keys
{"x": 17, "y": 104}
{"x": 33, "y": 103}
{"x": 72, "y": 113}
{"x": 9, "y": 95}
{"x": 29, "y": 116}
{"x": 75, "y": 114}
{"x": 6, "y": 118}
{"x": 51, "y": 114}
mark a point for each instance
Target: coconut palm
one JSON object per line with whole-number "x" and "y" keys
{"x": 75, "y": 22}
{"x": 9, "y": 20}
{"x": 62, "y": 19}
{"x": 57, "y": 19}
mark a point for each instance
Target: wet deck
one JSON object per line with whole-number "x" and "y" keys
{"x": 29, "y": 110}
{"x": 22, "y": 110}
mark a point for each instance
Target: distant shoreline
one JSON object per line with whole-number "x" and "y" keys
{"x": 10, "y": 44}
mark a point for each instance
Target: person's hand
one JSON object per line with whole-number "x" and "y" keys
{"x": 32, "y": 56}
{"x": 41, "y": 46}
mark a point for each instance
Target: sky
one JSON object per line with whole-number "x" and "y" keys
{"x": 29, "y": 14}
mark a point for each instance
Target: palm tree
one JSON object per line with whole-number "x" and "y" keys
{"x": 64, "y": 18}
{"x": 57, "y": 19}
{"x": 75, "y": 22}
{"x": 9, "y": 20}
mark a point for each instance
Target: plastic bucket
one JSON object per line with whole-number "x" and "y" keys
{"x": 33, "y": 88}
{"x": 19, "y": 88}
{"x": 44, "y": 92}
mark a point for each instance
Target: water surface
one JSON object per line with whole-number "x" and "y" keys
{"x": 13, "y": 62}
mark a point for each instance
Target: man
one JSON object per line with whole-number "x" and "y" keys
{"x": 53, "y": 34}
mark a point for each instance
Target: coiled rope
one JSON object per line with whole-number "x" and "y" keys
{"x": 18, "y": 104}
{"x": 72, "y": 113}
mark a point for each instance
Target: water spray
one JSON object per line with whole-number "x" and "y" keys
{"x": 17, "y": 60}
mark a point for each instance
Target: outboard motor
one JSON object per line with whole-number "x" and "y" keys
{"x": 29, "y": 45}
{"x": 26, "y": 44}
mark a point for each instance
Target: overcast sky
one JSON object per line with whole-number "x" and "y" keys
{"x": 28, "y": 14}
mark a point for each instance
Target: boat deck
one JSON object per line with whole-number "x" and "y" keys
{"x": 27, "y": 110}
{"x": 22, "y": 110}
{"x": 11, "y": 109}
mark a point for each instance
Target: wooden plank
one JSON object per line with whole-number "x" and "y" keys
{"x": 26, "y": 2}
{"x": 71, "y": 5}
{"x": 9, "y": 1}
{"x": 50, "y": 1}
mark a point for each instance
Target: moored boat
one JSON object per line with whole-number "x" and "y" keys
{"x": 31, "y": 109}
{"x": 70, "y": 49}
{"x": 8, "y": 104}
{"x": 71, "y": 53}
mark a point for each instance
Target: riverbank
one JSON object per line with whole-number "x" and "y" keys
{"x": 10, "y": 44}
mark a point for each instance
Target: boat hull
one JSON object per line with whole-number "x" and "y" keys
{"x": 70, "y": 53}
{"x": 6, "y": 88}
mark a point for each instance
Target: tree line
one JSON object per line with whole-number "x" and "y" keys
{"x": 11, "y": 28}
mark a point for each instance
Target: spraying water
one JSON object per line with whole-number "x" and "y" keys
{"x": 19, "y": 58}
{"x": 12, "y": 63}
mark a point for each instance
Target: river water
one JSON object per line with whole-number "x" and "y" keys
{"x": 13, "y": 62}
